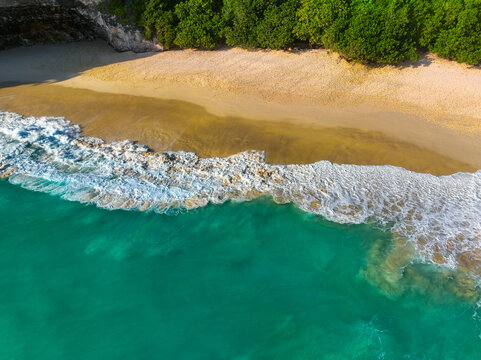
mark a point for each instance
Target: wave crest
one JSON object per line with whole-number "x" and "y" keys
{"x": 440, "y": 216}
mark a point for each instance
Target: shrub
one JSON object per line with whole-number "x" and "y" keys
{"x": 382, "y": 31}
{"x": 159, "y": 21}
{"x": 275, "y": 30}
{"x": 241, "y": 18}
{"x": 116, "y": 7}
{"x": 454, "y": 30}
{"x": 199, "y": 23}
{"x": 322, "y": 21}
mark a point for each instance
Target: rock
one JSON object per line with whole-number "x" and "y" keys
{"x": 120, "y": 37}
{"x": 28, "y": 22}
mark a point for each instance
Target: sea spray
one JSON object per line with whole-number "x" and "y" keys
{"x": 439, "y": 216}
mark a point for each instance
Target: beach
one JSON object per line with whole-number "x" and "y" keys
{"x": 299, "y": 107}
{"x": 237, "y": 204}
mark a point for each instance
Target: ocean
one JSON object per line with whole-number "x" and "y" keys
{"x": 109, "y": 251}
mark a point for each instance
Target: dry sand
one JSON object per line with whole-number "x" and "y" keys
{"x": 299, "y": 107}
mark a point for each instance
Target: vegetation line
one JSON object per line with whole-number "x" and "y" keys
{"x": 378, "y": 31}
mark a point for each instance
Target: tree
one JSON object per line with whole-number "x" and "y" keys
{"x": 322, "y": 22}
{"x": 159, "y": 20}
{"x": 199, "y": 25}
{"x": 381, "y": 32}
{"x": 454, "y": 30}
{"x": 275, "y": 30}
{"x": 241, "y": 18}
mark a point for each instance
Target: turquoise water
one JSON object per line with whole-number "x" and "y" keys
{"x": 234, "y": 281}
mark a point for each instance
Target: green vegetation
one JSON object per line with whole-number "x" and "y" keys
{"x": 379, "y": 31}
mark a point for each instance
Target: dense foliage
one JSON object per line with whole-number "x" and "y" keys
{"x": 381, "y": 31}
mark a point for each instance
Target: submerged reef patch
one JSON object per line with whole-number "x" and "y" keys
{"x": 439, "y": 217}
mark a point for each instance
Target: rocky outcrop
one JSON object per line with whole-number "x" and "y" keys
{"x": 27, "y": 22}
{"x": 120, "y": 37}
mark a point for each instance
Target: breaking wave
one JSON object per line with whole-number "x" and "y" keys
{"x": 440, "y": 216}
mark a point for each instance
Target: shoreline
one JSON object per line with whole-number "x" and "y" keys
{"x": 439, "y": 216}
{"x": 434, "y": 105}
{"x": 173, "y": 125}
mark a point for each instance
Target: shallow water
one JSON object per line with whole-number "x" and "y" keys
{"x": 252, "y": 280}
{"x": 170, "y": 125}
{"x": 234, "y": 281}
{"x": 439, "y": 217}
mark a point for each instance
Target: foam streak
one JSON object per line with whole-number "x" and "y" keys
{"x": 441, "y": 216}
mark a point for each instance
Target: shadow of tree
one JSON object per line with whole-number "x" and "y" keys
{"x": 424, "y": 60}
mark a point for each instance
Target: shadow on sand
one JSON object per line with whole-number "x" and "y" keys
{"x": 40, "y": 63}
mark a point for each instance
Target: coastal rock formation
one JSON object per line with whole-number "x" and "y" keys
{"x": 28, "y": 22}
{"x": 120, "y": 37}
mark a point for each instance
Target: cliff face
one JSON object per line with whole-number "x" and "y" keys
{"x": 28, "y": 22}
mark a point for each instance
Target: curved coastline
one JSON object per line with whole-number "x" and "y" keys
{"x": 172, "y": 125}
{"x": 439, "y": 216}
{"x": 433, "y": 104}
{"x": 237, "y": 204}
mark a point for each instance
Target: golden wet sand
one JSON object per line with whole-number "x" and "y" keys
{"x": 309, "y": 97}
{"x": 297, "y": 107}
{"x": 177, "y": 125}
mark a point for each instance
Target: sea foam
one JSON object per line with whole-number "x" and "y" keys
{"x": 440, "y": 216}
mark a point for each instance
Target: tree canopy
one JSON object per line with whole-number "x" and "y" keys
{"x": 378, "y": 31}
